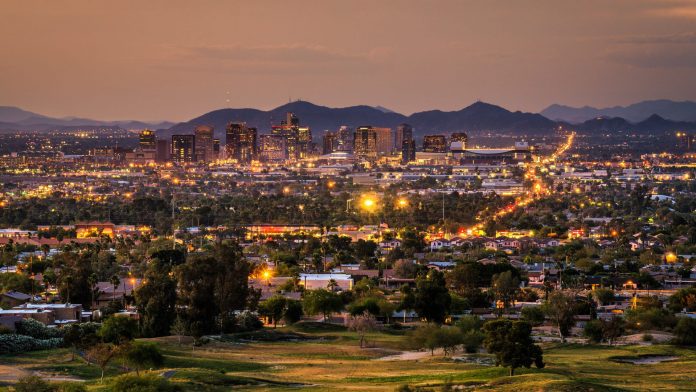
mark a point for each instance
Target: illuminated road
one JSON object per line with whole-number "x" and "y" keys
{"x": 537, "y": 192}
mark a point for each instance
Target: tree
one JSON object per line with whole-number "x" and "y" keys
{"x": 273, "y": 308}
{"x": 405, "y": 269}
{"x": 685, "y": 332}
{"x": 101, "y": 354}
{"x": 560, "y": 308}
{"x": 448, "y": 338}
{"x": 293, "y": 312}
{"x": 533, "y": 315}
{"x": 603, "y": 296}
{"x": 118, "y": 330}
{"x": 322, "y": 301}
{"x": 408, "y": 300}
{"x": 613, "y": 328}
{"x": 505, "y": 286}
{"x": 143, "y": 354}
{"x": 512, "y": 344}
{"x": 81, "y": 336}
{"x": 683, "y": 299}
{"x": 178, "y": 329}
{"x": 156, "y": 300}
{"x": 425, "y": 337}
{"x": 212, "y": 286}
{"x": 432, "y": 299}
{"x": 593, "y": 331}
{"x": 362, "y": 324}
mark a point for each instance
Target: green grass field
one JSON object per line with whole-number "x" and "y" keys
{"x": 331, "y": 359}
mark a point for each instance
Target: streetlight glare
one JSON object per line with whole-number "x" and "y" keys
{"x": 368, "y": 203}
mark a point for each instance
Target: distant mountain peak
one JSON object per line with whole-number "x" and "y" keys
{"x": 665, "y": 108}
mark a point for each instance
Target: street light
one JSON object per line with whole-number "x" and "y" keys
{"x": 402, "y": 202}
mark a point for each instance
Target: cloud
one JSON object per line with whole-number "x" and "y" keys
{"x": 292, "y": 58}
{"x": 653, "y": 56}
{"x": 681, "y": 38}
{"x": 685, "y": 9}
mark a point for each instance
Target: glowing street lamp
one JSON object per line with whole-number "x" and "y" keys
{"x": 402, "y": 202}
{"x": 368, "y": 203}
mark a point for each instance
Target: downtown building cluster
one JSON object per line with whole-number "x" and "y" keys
{"x": 289, "y": 142}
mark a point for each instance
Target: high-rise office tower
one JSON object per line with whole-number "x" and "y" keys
{"x": 365, "y": 143}
{"x": 434, "y": 143}
{"x": 240, "y": 143}
{"x": 272, "y": 148}
{"x": 204, "y": 143}
{"x": 408, "y": 151}
{"x": 329, "y": 142}
{"x": 385, "y": 140}
{"x": 298, "y": 140}
{"x": 344, "y": 139}
{"x": 183, "y": 148}
{"x": 459, "y": 139}
{"x": 148, "y": 140}
{"x": 163, "y": 150}
{"x": 403, "y": 132}
{"x": 216, "y": 148}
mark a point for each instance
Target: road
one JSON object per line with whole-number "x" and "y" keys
{"x": 538, "y": 190}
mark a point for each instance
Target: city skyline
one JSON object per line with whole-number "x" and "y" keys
{"x": 118, "y": 61}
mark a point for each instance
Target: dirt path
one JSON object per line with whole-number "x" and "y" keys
{"x": 409, "y": 356}
{"x": 12, "y": 373}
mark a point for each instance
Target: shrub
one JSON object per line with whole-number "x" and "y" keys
{"x": 33, "y": 384}
{"x": 472, "y": 341}
{"x": 36, "y": 329}
{"x": 533, "y": 315}
{"x": 293, "y": 312}
{"x": 647, "y": 337}
{"x": 247, "y": 321}
{"x": 685, "y": 332}
{"x": 469, "y": 323}
{"x": 13, "y": 343}
{"x": 594, "y": 331}
{"x": 71, "y": 387}
{"x": 148, "y": 383}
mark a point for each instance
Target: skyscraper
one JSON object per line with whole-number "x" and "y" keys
{"x": 272, "y": 148}
{"x": 298, "y": 140}
{"x": 403, "y": 132}
{"x": 240, "y": 143}
{"x": 344, "y": 139}
{"x": 385, "y": 140}
{"x": 148, "y": 140}
{"x": 365, "y": 143}
{"x": 329, "y": 142}
{"x": 216, "y": 148}
{"x": 204, "y": 143}
{"x": 434, "y": 143}
{"x": 163, "y": 150}
{"x": 183, "y": 148}
{"x": 408, "y": 151}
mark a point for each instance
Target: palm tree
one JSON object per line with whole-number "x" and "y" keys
{"x": 92, "y": 280}
{"x": 115, "y": 281}
{"x": 333, "y": 285}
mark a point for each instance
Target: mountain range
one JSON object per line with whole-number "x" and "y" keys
{"x": 479, "y": 116}
{"x": 673, "y": 110}
{"x": 16, "y": 119}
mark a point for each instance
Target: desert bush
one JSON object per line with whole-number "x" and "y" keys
{"x": 37, "y": 330}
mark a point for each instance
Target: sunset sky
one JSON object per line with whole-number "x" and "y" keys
{"x": 173, "y": 60}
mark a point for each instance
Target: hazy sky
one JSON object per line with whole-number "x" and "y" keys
{"x": 177, "y": 59}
